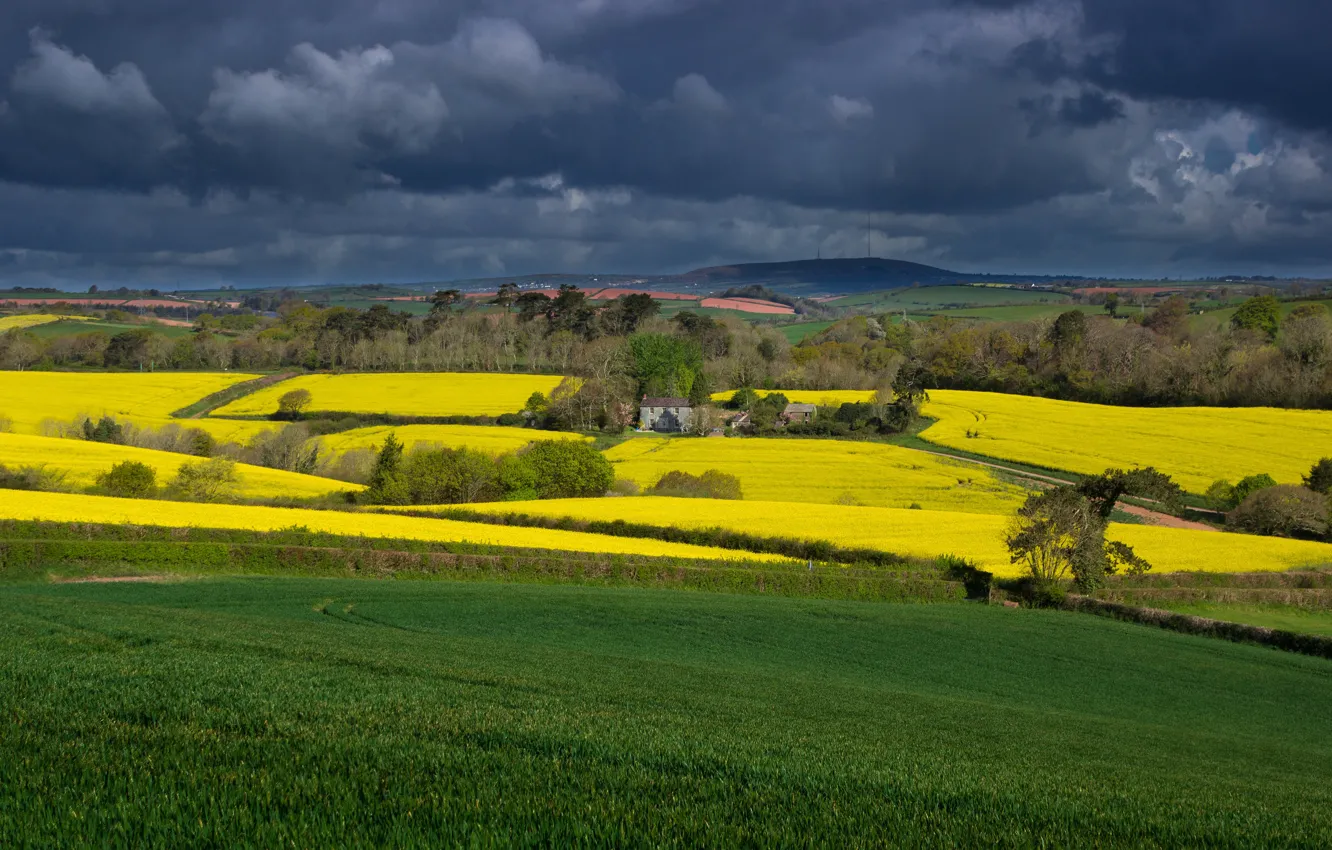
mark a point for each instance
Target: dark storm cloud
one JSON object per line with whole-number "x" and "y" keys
{"x": 416, "y": 139}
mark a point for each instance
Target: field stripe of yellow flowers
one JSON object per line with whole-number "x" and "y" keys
{"x": 403, "y": 393}
{"x": 823, "y": 471}
{"x": 32, "y": 320}
{"x": 976, "y": 537}
{"x": 823, "y": 397}
{"x": 491, "y": 439}
{"x": 84, "y": 461}
{"x": 1195, "y": 445}
{"x": 65, "y": 507}
{"x": 148, "y": 398}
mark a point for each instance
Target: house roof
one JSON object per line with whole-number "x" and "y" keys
{"x": 793, "y": 407}
{"x": 664, "y": 402}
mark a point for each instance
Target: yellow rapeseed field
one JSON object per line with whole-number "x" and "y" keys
{"x": 145, "y": 398}
{"x": 84, "y": 461}
{"x": 1196, "y": 445}
{"x": 403, "y": 393}
{"x": 64, "y": 507}
{"x": 823, "y": 397}
{"x": 976, "y": 537}
{"x": 32, "y": 320}
{"x": 827, "y": 471}
{"x": 492, "y": 439}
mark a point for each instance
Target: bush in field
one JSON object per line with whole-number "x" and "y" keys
{"x": 129, "y": 479}
{"x": 450, "y": 476}
{"x": 567, "y": 469}
{"x": 6, "y": 424}
{"x": 712, "y": 484}
{"x": 1285, "y": 510}
{"x": 205, "y": 481}
{"x": 546, "y": 469}
{"x": 290, "y": 449}
{"x": 1224, "y": 496}
{"x": 106, "y": 430}
{"x": 31, "y": 478}
{"x": 1319, "y": 478}
{"x": 294, "y": 403}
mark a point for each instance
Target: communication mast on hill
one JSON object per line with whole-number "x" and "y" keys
{"x": 869, "y": 220}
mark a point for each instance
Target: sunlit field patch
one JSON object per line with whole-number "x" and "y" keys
{"x": 402, "y": 393}
{"x": 827, "y": 471}
{"x": 66, "y": 507}
{"x": 928, "y": 534}
{"x": 84, "y": 461}
{"x": 27, "y": 398}
{"x": 823, "y": 397}
{"x": 491, "y": 439}
{"x": 1196, "y": 445}
{"x": 31, "y": 320}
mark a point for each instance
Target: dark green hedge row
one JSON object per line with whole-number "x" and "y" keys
{"x": 27, "y": 559}
{"x": 1189, "y": 624}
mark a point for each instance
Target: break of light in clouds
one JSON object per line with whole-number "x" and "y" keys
{"x": 243, "y": 142}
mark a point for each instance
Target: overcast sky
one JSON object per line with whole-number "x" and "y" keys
{"x": 171, "y": 143}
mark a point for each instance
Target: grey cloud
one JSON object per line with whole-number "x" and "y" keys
{"x": 693, "y": 91}
{"x": 293, "y": 140}
{"x": 350, "y": 101}
{"x": 57, "y": 76}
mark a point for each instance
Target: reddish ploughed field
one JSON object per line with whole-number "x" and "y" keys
{"x": 747, "y": 306}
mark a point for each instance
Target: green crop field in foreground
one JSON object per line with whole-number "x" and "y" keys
{"x": 351, "y": 712}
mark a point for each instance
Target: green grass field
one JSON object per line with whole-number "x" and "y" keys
{"x": 69, "y": 328}
{"x": 797, "y": 332}
{"x": 308, "y": 712}
{"x": 950, "y": 297}
{"x": 1286, "y": 617}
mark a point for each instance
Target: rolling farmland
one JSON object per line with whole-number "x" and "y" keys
{"x": 928, "y": 534}
{"x": 821, "y": 397}
{"x": 322, "y": 712}
{"x": 27, "y": 398}
{"x": 84, "y": 461}
{"x": 403, "y": 394}
{"x": 491, "y": 439}
{"x": 825, "y": 471}
{"x": 1195, "y": 445}
{"x": 67, "y": 507}
{"x": 29, "y": 320}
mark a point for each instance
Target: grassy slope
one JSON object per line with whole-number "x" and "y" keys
{"x": 1286, "y": 617}
{"x": 68, "y": 327}
{"x": 353, "y": 712}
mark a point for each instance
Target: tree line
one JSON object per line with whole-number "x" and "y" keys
{"x": 626, "y": 348}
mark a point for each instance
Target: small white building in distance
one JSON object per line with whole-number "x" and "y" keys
{"x": 665, "y": 414}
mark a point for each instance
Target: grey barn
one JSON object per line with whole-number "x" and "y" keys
{"x": 665, "y": 414}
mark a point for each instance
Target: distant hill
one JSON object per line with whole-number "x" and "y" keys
{"x": 854, "y": 274}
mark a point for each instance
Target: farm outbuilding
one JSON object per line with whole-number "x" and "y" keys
{"x": 665, "y": 414}
{"x": 795, "y": 412}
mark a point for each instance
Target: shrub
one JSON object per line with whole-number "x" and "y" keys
{"x": 107, "y": 430}
{"x": 6, "y": 424}
{"x": 1285, "y": 510}
{"x": 1224, "y": 496}
{"x": 450, "y": 476}
{"x": 129, "y": 479}
{"x": 1319, "y": 478}
{"x": 624, "y": 487}
{"x": 712, "y": 484}
{"x": 31, "y": 478}
{"x": 205, "y": 481}
{"x": 567, "y": 469}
